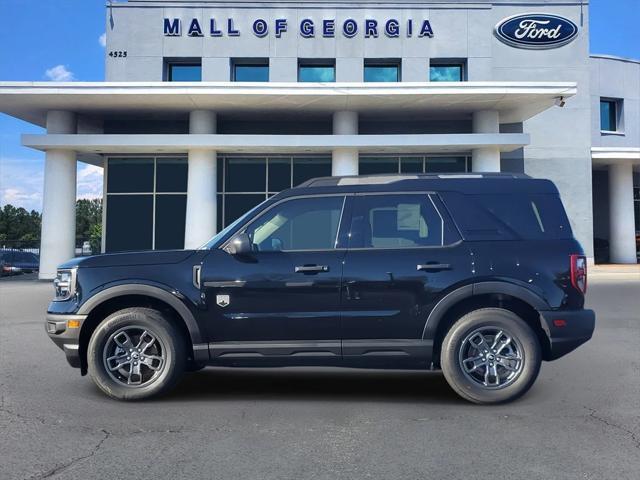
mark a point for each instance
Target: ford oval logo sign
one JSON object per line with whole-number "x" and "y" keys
{"x": 536, "y": 31}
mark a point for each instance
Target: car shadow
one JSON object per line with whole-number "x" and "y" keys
{"x": 314, "y": 384}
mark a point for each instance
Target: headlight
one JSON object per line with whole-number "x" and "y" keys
{"x": 64, "y": 285}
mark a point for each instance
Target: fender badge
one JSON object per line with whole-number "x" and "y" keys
{"x": 223, "y": 300}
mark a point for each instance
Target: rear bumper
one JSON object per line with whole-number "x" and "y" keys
{"x": 64, "y": 331}
{"x": 567, "y": 330}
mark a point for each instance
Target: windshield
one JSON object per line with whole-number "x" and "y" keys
{"x": 223, "y": 233}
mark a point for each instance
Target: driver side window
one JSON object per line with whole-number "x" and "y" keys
{"x": 298, "y": 224}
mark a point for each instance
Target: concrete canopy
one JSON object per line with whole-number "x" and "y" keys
{"x": 515, "y": 101}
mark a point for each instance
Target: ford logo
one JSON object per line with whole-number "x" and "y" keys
{"x": 536, "y": 31}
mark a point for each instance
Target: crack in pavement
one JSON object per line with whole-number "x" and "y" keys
{"x": 634, "y": 438}
{"x": 65, "y": 466}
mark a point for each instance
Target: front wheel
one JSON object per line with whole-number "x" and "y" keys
{"x": 136, "y": 353}
{"x": 491, "y": 356}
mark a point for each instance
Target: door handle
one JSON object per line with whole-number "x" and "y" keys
{"x": 311, "y": 268}
{"x": 433, "y": 266}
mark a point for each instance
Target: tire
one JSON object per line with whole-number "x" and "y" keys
{"x": 111, "y": 366}
{"x": 475, "y": 372}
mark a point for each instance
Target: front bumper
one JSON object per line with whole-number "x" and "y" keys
{"x": 64, "y": 330}
{"x": 567, "y": 330}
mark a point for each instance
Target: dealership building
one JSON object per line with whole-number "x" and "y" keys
{"x": 210, "y": 107}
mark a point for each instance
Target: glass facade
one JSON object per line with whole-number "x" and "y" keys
{"x": 146, "y": 203}
{"x": 381, "y": 72}
{"x": 251, "y": 72}
{"x": 184, "y": 72}
{"x": 316, "y": 72}
{"x": 375, "y": 164}
{"x": 446, "y": 73}
{"x": 245, "y": 181}
{"x": 608, "y": 116}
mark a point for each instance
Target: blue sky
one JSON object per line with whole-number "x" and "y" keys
{"x": 44, "y": 40}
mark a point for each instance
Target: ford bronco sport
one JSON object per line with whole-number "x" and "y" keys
{"x": 478, "y": 275}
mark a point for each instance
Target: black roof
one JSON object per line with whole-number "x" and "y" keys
{"x": 477, "y": 183}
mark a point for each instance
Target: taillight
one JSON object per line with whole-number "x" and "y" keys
{"x": 579, "y": 273}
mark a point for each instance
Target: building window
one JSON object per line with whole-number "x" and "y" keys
{"x": 447, "y": 71}
{"x": 377, "y": 164}
{"x": 610, "y": 115}
{"x": 317, "y": 71}
{"x": 184, "y": 70}
{"x": 250, "y": 70}
{"x": 381, "y": 70}
{"x": 146, "y": 203}
{"x": 245, "y": 181}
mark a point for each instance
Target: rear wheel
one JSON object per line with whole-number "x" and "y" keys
{"x": 136, "y": 353}
{"x": 491, "y": 356}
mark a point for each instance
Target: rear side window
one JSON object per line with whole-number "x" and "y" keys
{"x": 509, "y": 216}
{"x": 528, "y": 216}
{"x": 395, "y": 221}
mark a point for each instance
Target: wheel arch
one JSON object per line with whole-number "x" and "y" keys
{"x": 519, "y": 300}
{"x": 119, "y": 297}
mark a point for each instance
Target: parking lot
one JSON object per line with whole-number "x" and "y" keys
{"x": 580, "y": 420}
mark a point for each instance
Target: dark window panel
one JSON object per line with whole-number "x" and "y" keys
{"x": 171, "y": 174}
{"x": 279, "y": 174}
{"x": 608, "y": 116}
{"x": 130, "y": 175}
{"x": 375, "y": 165}
{"x": 305, "y": 168}
{"x": 170, "y": 217}
{"x": 219, "y": 220}
{"x": 183, "y": 72}
{"x": 411, "y": 165}
{"x": 251, "y": 73}
{"x": 220, "y": 173}
{"x": 381, "y": 73}
{"x": 446, "y": 165}
{"x": 237, "y": 204}
{"x": 129, "y": 222}
{"x": 246, "y": 175}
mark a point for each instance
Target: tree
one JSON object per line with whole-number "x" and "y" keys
{"x": 21, "y": 229}
{"x": 89, "y": 222}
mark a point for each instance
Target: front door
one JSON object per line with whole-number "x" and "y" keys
{"x": 402, "y": 255}
{"x": 283, "y": 299}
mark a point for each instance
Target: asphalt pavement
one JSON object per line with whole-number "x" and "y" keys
{"x": 581, "y": 420}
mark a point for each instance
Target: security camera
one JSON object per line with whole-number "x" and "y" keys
{"x": 560, "y": 102}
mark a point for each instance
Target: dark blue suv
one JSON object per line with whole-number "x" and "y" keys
{"x": 477, "y": 275}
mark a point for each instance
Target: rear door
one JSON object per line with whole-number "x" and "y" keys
{"x": 403, "y": 253}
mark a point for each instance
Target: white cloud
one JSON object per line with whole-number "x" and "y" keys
{"x": 59, "y": 73}
{"x": 21, "y": 182}
{"x": 102, "y": 40}
{"x": 89, "y": 181}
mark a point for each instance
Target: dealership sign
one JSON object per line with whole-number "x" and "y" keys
{"x": 307, "y": 28}
{"x": 537, "y": 31}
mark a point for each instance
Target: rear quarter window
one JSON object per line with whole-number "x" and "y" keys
{"x": 509, "y": 216}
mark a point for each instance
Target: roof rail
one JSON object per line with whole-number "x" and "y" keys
{"x": 383, "y": 179}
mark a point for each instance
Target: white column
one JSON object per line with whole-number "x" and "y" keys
{"x": 201, "y": 221}
{"x": 485, "y": 159}
{"x": 344, "y": 161}
{"x": 58, "y": 231}
{"x": 622, "y": 229}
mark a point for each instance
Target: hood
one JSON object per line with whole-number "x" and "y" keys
{"x": 156, "y": 257}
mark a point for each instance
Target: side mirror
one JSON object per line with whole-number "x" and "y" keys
{"x": 240, "y": 244}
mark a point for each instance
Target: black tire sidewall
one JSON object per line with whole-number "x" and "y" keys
{"x": 500, "y": 318}
{"x": 160, "y": 326}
